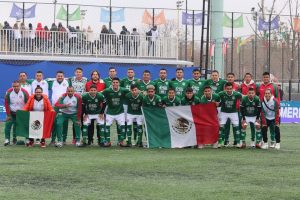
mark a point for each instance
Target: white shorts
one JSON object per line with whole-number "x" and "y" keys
{"x": 250, "y": 119}
{"x": 139, "y": 119}
{"x": 90, "y": 117}
{"x": 219, "y": 113}
{"x": 120, "y": 118}
{"x": 234, "y": 118}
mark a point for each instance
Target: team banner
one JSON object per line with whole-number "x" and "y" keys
{"x": 264, "y": 25}
{"x": 116, "y": 16}
{"x": 34, "y": 124}
{"x": 62, "y": 14}
{"x": 181, "y": 126}
{"x": 159, "y": 19}
{"x": 237, "y": 23}
{"x": 290, "y": 112}
{"x": 296, "y": 24}
{"x": 188, "y": 19}
{"x": 17, "y": 12}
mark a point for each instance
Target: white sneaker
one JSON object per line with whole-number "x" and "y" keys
{"x": 277, "y": 146}
{"x": 238, "y": 145}
{"x": 78, "y": 144}
{"x": 200, "y": 146}
{"x": 59, "y": 144}
{"x": 265, "y": 146}
{"x": 252, "y": 144}
{"x": 272, "y": 144}
{"x": 215, "y": 145}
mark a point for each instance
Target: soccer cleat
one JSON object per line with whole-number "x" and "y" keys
{"x": 52, "y": 143}
{"x": 43, "y": 144}
{"x": 238, "y": 145}
{"x": 243, "y": 144}
{"x": 277, "y": 146}
{"x": 200, "y": 146}
{"x": 74, "y": 141}
{"x": 216, "y": 145}
{"x": 272, "y": 144}
{"x": 252, "y": 144}
{"x": 15, "y": 141}
{"x": 122, "y": 144}
{"x": 78, "y": 144}
{"x": 258, "y": 145}
{"x": 6, "y": 143}
{"x": 107, "y": 144}
{"x": 265, "y": 145}
{"x": 59, "y": 144}
{"x": 37, "y": 141}
{"x": 226, "y": 144}
{"x": 64, "y": 143}
{"x": 30, "y": 143}
{"x": 129, "y": 144}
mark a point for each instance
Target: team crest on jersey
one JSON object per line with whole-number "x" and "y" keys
{"x": 119, "y": 93}
{"x": 36, "y": 125}
{"x": 181, "y": 126}
{"x": 64, "y": 85}
{"x": 74, "y": 102}
{"x": 96, "y": 100}
{"x": 20, "y": 96}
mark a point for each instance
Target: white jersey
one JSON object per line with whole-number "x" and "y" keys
{"x": 27, "y": 87}
{"x": 58, "y": 89}
{"x": 43, "y": 84}
{"x": 16, "y": 100}
{"x": 73, "y": 102}
{"x": 38, "y": 105}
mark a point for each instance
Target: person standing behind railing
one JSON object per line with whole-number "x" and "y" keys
{"x": 102, "y": 46}
{"x": 152, "y": 38}
{"x": 61, "y": 37}
{"x": 8, "y": 34}
{"x": 47, "y": 36}
{"x": 124, "y": 34}
{"x": 17, "y": 37}
{"x": 135, "y": 41}
{"x": 24, "y": 37}
{"x": 39, "y": 32}
{"x": 90, "y": 39}
{"x": 54, "y": 36}
{"x": 72, "y": 38}
{"x": 31, "y": 37}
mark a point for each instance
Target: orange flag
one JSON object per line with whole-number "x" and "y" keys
{"x": 297, "y": 24}
{"x": 158, "y": 19}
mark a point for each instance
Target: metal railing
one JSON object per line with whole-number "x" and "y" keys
{"x": 55, "y": 43}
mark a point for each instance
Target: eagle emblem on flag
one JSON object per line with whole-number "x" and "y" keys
{"x": 182, "y": 126}
{"x": 36, "y": 125}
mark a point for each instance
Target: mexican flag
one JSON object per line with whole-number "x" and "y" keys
{"x": 181, "y": 126}
{"x": 34, "y": 124}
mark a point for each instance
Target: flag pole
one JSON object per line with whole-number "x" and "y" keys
{"x": 153, "y": 19}
{"x": 23, "y": 13}
{"x": 193, "y": 36}
{"x": 255, "y": 46}
{"x": 231, "y": 67}
{"x": 186, "y": 11}
{"x": 110, "y": 15}
{"x": 54, "y": 12}
{"x": 67, "y": 15}
{"x": 269, "y": 53}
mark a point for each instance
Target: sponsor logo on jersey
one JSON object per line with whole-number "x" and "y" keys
{"x": 181, "y": 126}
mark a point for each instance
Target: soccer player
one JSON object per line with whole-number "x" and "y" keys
{"x": 129, "y": 80}
{"x": 250, "y": 110}
{"x": 209, "y": 96}
{"x": 229, "y": 110}
{"x": 162, "y": 84}
{"x": 171, "y": 99}
{"x": 115, "y": 111}
{"x": 25, "y": 83}
{"x": 14, "y": 100}
{"x": 70, "y": 107}
{"x": 179, "y": 84}
{"x": 133, "y": 102}
{"x": 93, "y": 109}
{"x": 151, "y": 99}
{"x": 146, "y": 80}
{"x": 112, "y": 73}
{"x": 247, "y": 83}
{"x": 216, "y": 84}
{"x": 39, "y": 81}
{"x": 196, "y": 83}
{"x": 190, "y": 98}
{"x": 270, "y": 119}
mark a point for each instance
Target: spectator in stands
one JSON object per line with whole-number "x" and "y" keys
{"x": 39, "y": 33}
{"x": 152, "y": 38}
{"x": 31, "y": 37}
{"x": 7, "y": 36}
{"x": 135, "y": 41}
{"x": 124, "y": 40}
{"x": 17, "y": 37}
{"x": 25, "y": 37}
{"x": 61, "y": 36}
{"x": 47, "y": 36}
{"x": 90, "y": 39}
{"x": 54, "y": 35}
{"x": 104, "y": 39}
{"x": 72, "y": 39}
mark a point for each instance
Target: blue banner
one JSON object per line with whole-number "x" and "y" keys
{"x": 17, "y": 12}
{"x": 188, "y": 19}
{"x": 290, "y": 111}
{"x": 264, "y": 26}
{"x": 116, "y": 16}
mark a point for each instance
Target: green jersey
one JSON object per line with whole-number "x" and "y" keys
{"x": 171, "y": 102}
{"x": 161, "y": 87}
{"x": 179, "y": 87}
{"x": 114, "y": 100}
{"x": 142, "y": 85}
{"x": 126, "y": 83}
{"x": 250, "y": 107}
{"x": 193, "y": 101}
{"x": 92, "y": 105}
{"x": 229, "y": 102}
{"x": 154, "y": 102}
{"x": 134, "y": 103}
{"x": 216, "y": 86}
{"x": 108, "y": 82}
{"x": 197, "y": 86}
{"x": 214, "y": 98}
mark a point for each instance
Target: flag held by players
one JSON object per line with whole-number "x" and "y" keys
{"x": 34, "y": 124}
{"x": 183, "y": 126}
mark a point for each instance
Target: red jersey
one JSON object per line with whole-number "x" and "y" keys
{"x": 274, "y": 90}
{"x": 100, "y": 85}
{"x": 245, "y": 87}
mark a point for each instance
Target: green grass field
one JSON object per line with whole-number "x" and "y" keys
{"x": 135, "y": 173}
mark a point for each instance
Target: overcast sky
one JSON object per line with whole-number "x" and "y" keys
{"x": 45, "y": 13}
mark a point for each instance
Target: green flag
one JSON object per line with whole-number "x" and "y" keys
{"x": 237, "y": 23}
{"x": 62, "y": 14}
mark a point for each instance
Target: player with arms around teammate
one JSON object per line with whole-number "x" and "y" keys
{"x": 229, "y": 99}
{"x": 133, "y": 103}
{"x": 250, "y": 111}
{"x": 171, "y": 99}
{"x": 92, "y": 108}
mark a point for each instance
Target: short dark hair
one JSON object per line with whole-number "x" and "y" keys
{"x": 266, "y": 74}
{"x": 39, "y": 72}
{"x": 189, "y": 89}
{"x": 179, "y": 69}
{"x": 116, "y": 79}
{"x": 133, "y": 86}
{"x": 196, "y": 70}
{"x": 215, "y": 71}
{"x": 228, "y": 84}
{"x": 248, "y": 74}
{"x": 206, "y": 87}
{"x": 130, "y": 68}
{"x": 230, "y": 73}
{"x": 79, "y": 68}
{"x": 251, "y": 89}
{"x": 16, "y": 81}
{"x": 38, "y": 87}
{"x": 146, "y": 71}
{"x": 171, "y": 89}
{"x": 163, "y": 69}
{"x": 111, "y": 68}
{"x": 23, "y": 73}
{"x": 60, "y": 72}
{"x": 93, "y": 86}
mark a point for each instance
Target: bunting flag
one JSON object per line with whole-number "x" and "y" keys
{"x": 264, "y": 26}
{"x": 62, "y": 14}
{"x": 247, "y": 40}
{"x": 296, "y": 24}
{"x": 212, "y": 48}
{"x": 225, "y": 46}
{"x": 238, "y": 45}
{"x": 116, "y": 16}
{"x": 237, "y": 23}
{"x": 188, "y": 19}
{"x": 158, "y": 19}
{"x": 17, "y": 12}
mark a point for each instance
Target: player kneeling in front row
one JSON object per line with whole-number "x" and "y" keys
{"x": 92, "y": 108}
{"x": 250, "y": 110}
{"x": 133, "y": 103}
{"x": 229, "y": 99}
{"x": 70, "y": 106}
{"x": 171, "y": 99}
{"x": 270, "y": 118}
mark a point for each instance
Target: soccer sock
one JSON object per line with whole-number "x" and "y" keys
{"x": 258, "y": 136}
{"x": 84, "y": 132}
{"x": 236, "y": 131}
{"x": 65, "y": 130}
{"x": 227, "y": 130}
{"x": 265, "y": 133}
{"x": 101, "y": 132}
{"x": 272, "y": 132}
{"x": 252, "y": 127}
{"x": 129, "y": 133}
{"x": 140, "y": 133}
{"x": 277, "y": 134}
{"x": 243, "y": 135}
{"x": 135, "y": 130}
{"x": 221, "y": 135}
{"x": 107, "y": 133}
{"x": 119, "y": 132}
{"x": 123, "y": 133}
